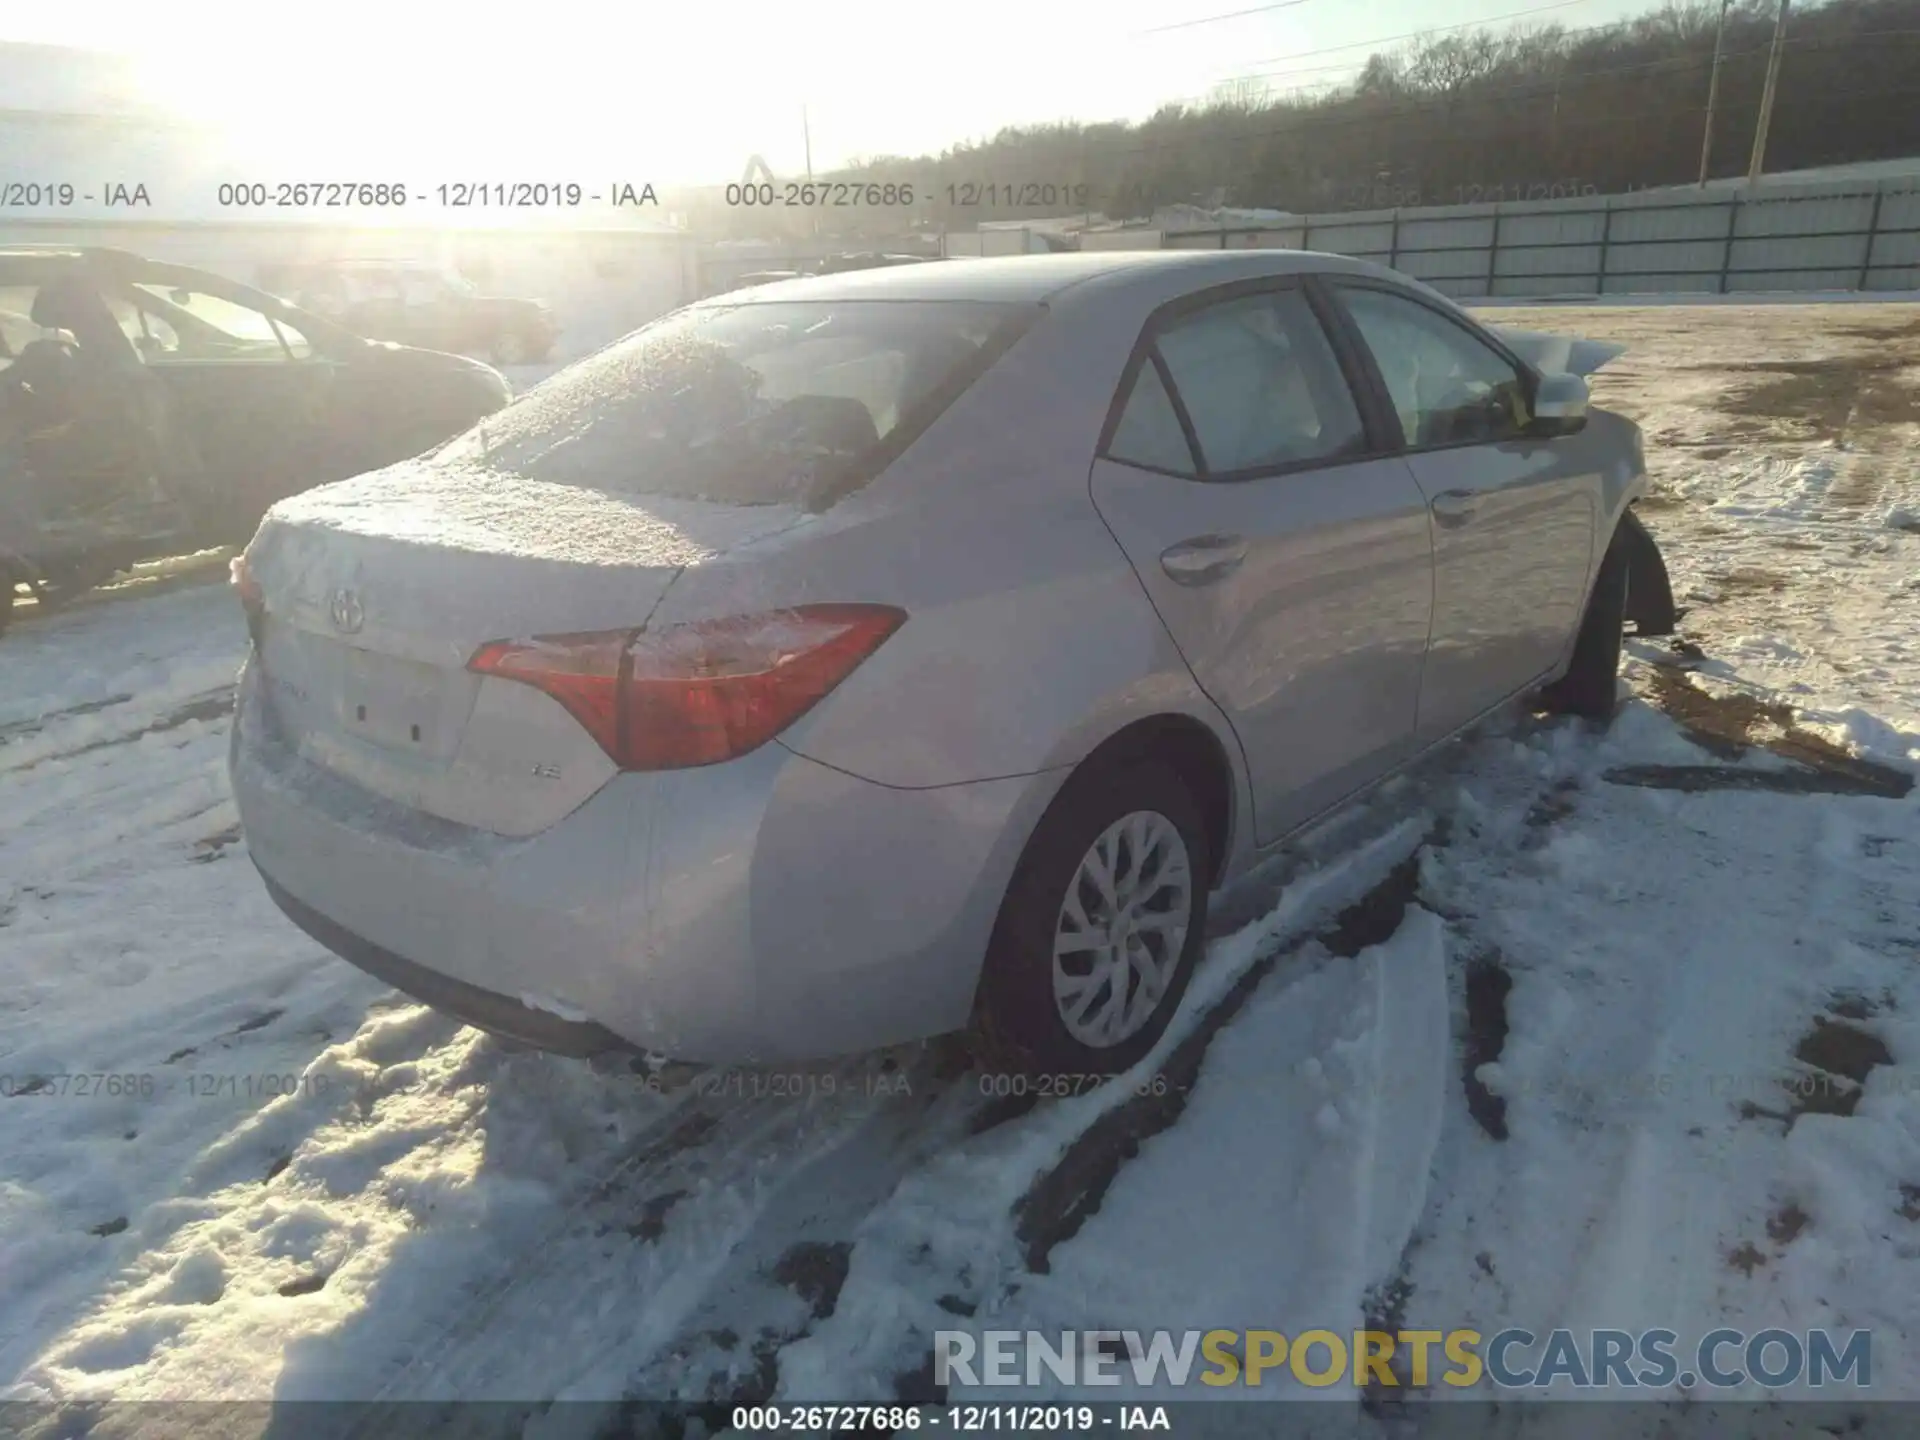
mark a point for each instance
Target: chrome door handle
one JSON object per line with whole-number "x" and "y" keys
{"x": 1453, "y": 508}
{"x": 1203, "y": 559}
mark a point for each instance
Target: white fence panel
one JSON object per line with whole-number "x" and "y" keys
{"x": 1837, "y": 235}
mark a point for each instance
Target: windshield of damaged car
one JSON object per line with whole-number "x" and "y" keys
{"x": 761, "y": 404}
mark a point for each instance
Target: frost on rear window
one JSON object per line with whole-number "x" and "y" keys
{"x": 788, "y": 403}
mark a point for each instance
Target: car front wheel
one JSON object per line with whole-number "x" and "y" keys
{"x": 1100, "y": 929}
{"x": 1590, "y": 687}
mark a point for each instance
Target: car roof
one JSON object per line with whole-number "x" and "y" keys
{"x": 1035, "y": 279}
{"x": 106, "y": 262}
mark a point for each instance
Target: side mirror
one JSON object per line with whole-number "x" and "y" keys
{"x": 1559, "y": 404}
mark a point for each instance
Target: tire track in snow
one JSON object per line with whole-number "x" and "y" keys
{"x": 960, "y": 1235}
{"x": 1629, "y": 1167}
{"x": 636, "y": 1256}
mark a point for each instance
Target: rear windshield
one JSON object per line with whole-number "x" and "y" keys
{"x": 780, "y": 403}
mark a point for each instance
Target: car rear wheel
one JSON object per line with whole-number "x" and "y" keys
{"x": 1100, "y": 929}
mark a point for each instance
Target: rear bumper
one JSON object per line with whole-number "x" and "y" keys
{"x": 771, "y": 909}
{"x": 486, "y": 1009}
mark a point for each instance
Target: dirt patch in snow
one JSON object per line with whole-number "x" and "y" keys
{"x": 1488, "y": 984}
{"x": 815, "y": 1271}
{"x": 1830, "y": 397}
{"x": 1831, "y": 1063}
{"x": 1786, "y": 1223}
{"x": 1746, "y": 1258}
{"x": 1731, "y": 725}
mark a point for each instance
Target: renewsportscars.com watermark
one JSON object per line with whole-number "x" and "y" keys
{"x": 1509, "y": 1359}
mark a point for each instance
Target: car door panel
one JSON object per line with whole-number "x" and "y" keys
{"x": 258, "y": 426}
{"x": 1513, "y": 530}
{"x": 1513, "y": 514}
{"x": 1291, "y": 565}
{"x": 1312, "y": 639}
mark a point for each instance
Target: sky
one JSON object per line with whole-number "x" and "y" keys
{"x": 676, "y": 94}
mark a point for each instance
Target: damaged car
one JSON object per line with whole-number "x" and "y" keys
{"x": 147, "y": 408}
{"x": 854, "y": 659}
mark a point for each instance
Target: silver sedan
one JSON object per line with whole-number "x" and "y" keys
{"x": 857, "y": 659}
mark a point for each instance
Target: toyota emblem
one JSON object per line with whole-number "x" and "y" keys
{"x": 346, "y": 611}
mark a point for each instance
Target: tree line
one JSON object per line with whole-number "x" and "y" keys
{"x": 1528, "y": 112}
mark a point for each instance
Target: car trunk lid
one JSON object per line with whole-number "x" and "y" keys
{"x": 376, "y": 592}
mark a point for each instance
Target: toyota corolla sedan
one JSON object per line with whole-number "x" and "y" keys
{"x": 856, "y": 659}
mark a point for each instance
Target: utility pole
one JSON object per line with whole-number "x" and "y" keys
{"x": 1713, "y": 89}
{"x": 806, "y": 137}
{"x": 1766, "y": 95}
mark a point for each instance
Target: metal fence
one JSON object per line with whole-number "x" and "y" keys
{"x": 1850, "y": 236}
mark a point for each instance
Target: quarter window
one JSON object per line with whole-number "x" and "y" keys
{"x": 1149, "y": 432}
{"x": 1448, "y": 386}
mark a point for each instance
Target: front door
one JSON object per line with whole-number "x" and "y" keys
{"x": 1514, "y": 514}
{"x": 1288, "y": 556}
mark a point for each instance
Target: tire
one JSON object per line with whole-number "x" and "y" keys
{"x": 1591, "y": 684}
{"x": 1019, "y": 1024}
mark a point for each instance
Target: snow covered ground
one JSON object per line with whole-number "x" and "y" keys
{"x": 1575, "y": 1028}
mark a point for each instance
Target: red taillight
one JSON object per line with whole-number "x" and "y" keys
{"x": 252, "y": 598}
{"x": 695, "y": 694}
{"x": 244, "y": 585}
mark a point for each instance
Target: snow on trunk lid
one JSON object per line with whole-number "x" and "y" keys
{"x": 378, "y": 591}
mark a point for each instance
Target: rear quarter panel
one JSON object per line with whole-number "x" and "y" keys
{"x": 1029, "y": 639}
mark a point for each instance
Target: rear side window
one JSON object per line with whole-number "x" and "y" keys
{"x": 1261, "y": 385}
{"x": 794, "y": 402}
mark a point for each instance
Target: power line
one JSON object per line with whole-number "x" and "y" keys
{"x": 1215, "y": 19}
{"x": 1361, "y": 64}
{"x": 1572, "y": 77}
{"x": 1429, "y": 30}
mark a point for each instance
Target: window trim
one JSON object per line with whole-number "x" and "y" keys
{"x": 1332, "y": 282}
{"x": 136, "y": 294}
{"x": 1376, "y": 440}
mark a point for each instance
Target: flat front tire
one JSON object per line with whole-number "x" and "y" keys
{"x": 1591, "y": 684}
{"x": 1101, "y": 927}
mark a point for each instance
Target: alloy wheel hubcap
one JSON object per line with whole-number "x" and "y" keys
{"x": 1121, "y": 929}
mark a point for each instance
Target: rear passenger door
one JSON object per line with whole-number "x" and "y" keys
{"x": 1284, "y": 545}
{"x": 1514, "y": 514}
